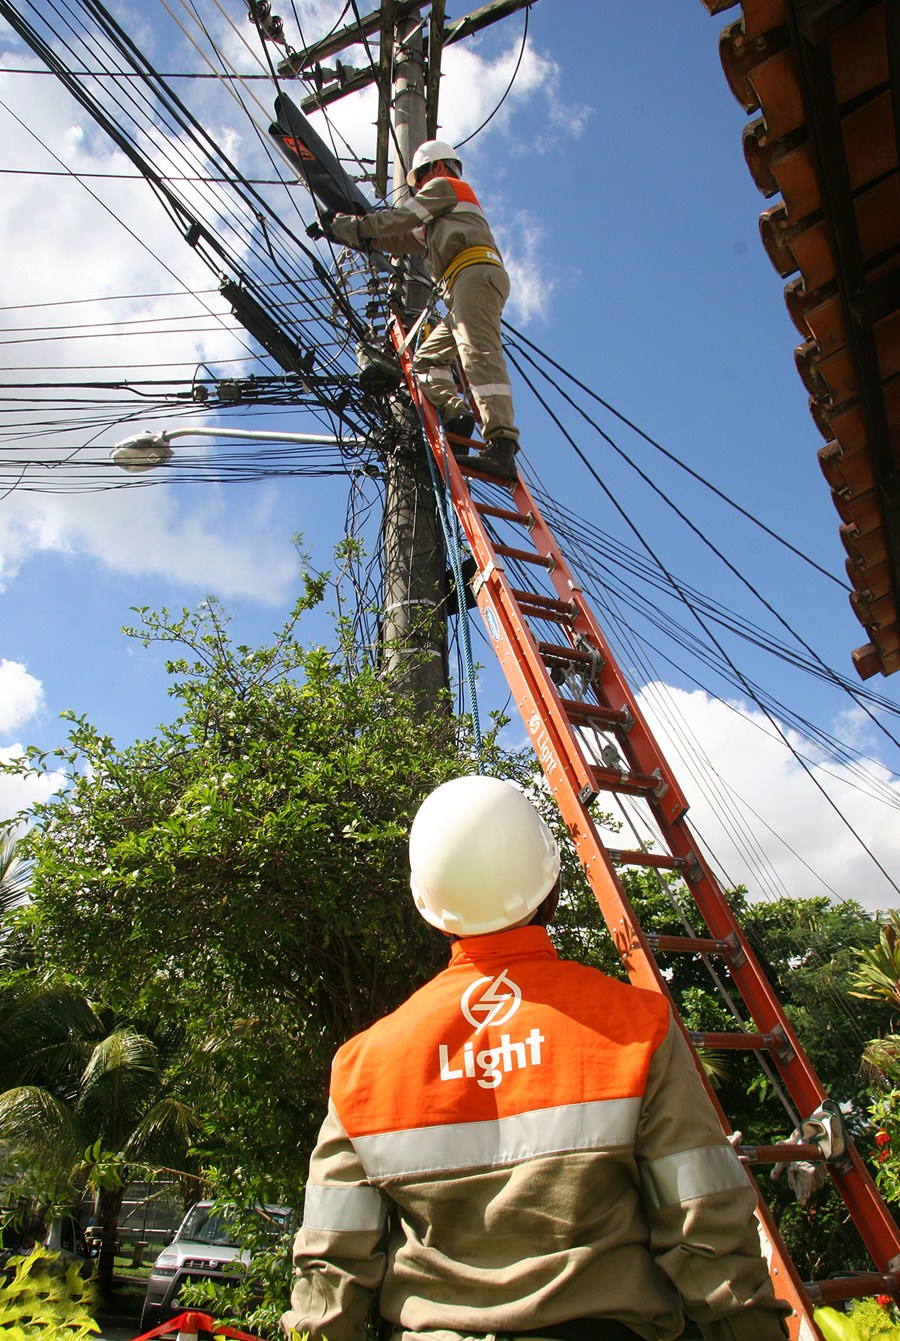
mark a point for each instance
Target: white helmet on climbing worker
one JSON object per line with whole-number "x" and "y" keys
{"x": 481, "y": 857}
{"x": 432, "y": 151}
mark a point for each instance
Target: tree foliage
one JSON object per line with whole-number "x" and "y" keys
{"x": 233, "y": 893}
{"x": 39, "y": 1304}
{"x": 240, "y": 878}
{"x": 809, "y": 949}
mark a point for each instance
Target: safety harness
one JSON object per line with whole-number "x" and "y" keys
{"x": 470, "y": 256}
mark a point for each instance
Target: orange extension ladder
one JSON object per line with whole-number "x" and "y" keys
{"x": 546, "y": 638}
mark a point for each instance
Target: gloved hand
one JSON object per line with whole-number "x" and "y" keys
{"x": 345, "y": 227}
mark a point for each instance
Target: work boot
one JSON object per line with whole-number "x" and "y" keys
{"x": 462, "y": 425}
{"x": 499, "y": 458}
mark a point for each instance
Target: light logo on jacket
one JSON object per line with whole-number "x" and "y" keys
{"x": 495, "y": 1005}
{"x": 491, "y": 1001}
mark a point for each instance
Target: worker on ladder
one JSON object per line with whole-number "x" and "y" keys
{"x": 524, "y": 1148}
{"x": 444, "y": 219}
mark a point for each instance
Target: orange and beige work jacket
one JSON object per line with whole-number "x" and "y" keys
{"x": 444, "y": 220}
{"x": 526, "y": 1142}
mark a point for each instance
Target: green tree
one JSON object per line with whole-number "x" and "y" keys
{"x": 241, "y": 876}
{"x": 14, "y": 876}
{"x": 877, "y": 979}
{"x": 809, "y": 949}
{"x": 87, "y": 1103}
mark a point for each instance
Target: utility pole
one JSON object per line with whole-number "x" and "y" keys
{"x": 414, "y": 625}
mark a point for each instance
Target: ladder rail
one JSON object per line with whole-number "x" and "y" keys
{"x": 575, "y": 781}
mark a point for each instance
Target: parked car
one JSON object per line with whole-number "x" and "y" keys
{"x": 63, "y": 1238}
{"x": 204, "y": 1248}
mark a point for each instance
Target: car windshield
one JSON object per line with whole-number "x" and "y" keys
{"x": 203, "y": 1225}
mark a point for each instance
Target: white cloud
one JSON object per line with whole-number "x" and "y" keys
{"x": 18, "y": 794}
{"x": 781, "y": 834}
{"x": 532, "y": 282}
{"x": 149, "y": 532}
{"x": 21, "y": 699}
{"x": 21, "y": 696}
{"x": 68, "y": 246}
{"x": 475, "y": 88}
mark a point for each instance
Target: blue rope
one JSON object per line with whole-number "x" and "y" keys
{"x": 453, "y": 539}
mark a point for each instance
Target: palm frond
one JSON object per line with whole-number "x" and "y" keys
{"x": 119, "y": 1081}
{"x": 123, "y": 1050}
{"x": 45, "y": 1033}
{"x": 878, "y": 975}
{"x": 36, "y": 1123}
{"x": 15, "y": 875}
{"x": 165, "y": 1131}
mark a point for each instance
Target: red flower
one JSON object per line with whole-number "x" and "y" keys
{"x": 883, "y": 1155}
{"x": 882, "y": 1138}
{"x": 884, "y": 1301}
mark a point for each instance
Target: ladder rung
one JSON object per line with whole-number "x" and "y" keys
{"x": 632, "y": 784}
{"x": 556, "y": 652}
{"x": 527, "y": 556}
{"x": 505, "y": 514}
{"x": 593, "y": 712}
{"x": 736, "y": 1042}
{"x": 620, "y": 856}
{"x": 859, "y": 1285}
{"x": 787, "y": 1152}
{"x": 689, "y": 945}
{"x": 469, "y": 464}
{"x": 547, "y": 606}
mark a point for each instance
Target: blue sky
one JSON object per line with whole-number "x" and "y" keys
{"x": 614, "y": 177}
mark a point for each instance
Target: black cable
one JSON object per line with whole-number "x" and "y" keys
{"x": 683, "y": 597}
{"x": 701, "y": 535}
{"x": 509, "y": 88}
{"x": 238, "y": 175}
{"x": 700, "y": 479}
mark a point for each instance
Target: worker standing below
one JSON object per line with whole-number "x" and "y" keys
{"x": 524, "y": 1147}
{"x": 443, "y": 219}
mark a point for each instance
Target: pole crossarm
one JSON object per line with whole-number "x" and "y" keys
{"x": 350, "y": 81}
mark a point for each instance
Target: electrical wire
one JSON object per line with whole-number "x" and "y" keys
{"x": 488, "y": 119}
{"x": 276, "y": 262}
{"x": 683, "y": 597}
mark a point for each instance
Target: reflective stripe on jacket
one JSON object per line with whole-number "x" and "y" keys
{"x": 443, "y": 219}
{"x": 525, "y": 1142}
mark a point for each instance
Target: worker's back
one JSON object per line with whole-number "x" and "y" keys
{"x": 500, "y": 1110}
{"x": 525, "y": 1146}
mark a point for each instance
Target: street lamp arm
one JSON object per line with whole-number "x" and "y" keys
{"x": 263, "y": 435}
{"x": 147, "y": 450}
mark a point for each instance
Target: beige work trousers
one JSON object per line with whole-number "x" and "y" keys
{"x": 471, "y": 333}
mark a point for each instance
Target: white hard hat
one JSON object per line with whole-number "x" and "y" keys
{"x": 481, "y": 858}
{"x": 431, "y": 151}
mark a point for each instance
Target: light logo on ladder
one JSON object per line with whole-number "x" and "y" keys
{"x": 541, "y": 742}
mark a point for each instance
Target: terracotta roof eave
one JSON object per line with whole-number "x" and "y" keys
{"x": 825, "y": 74}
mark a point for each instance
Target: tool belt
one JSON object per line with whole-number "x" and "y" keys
{"x": 470, "y": 256}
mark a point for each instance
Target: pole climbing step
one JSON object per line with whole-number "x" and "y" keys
{"x": 591, "y": 739}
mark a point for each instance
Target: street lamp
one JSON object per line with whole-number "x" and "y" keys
{"x": 147, "y": 450}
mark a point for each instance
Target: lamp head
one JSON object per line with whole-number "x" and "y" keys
{"x": 145, "y": 451}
